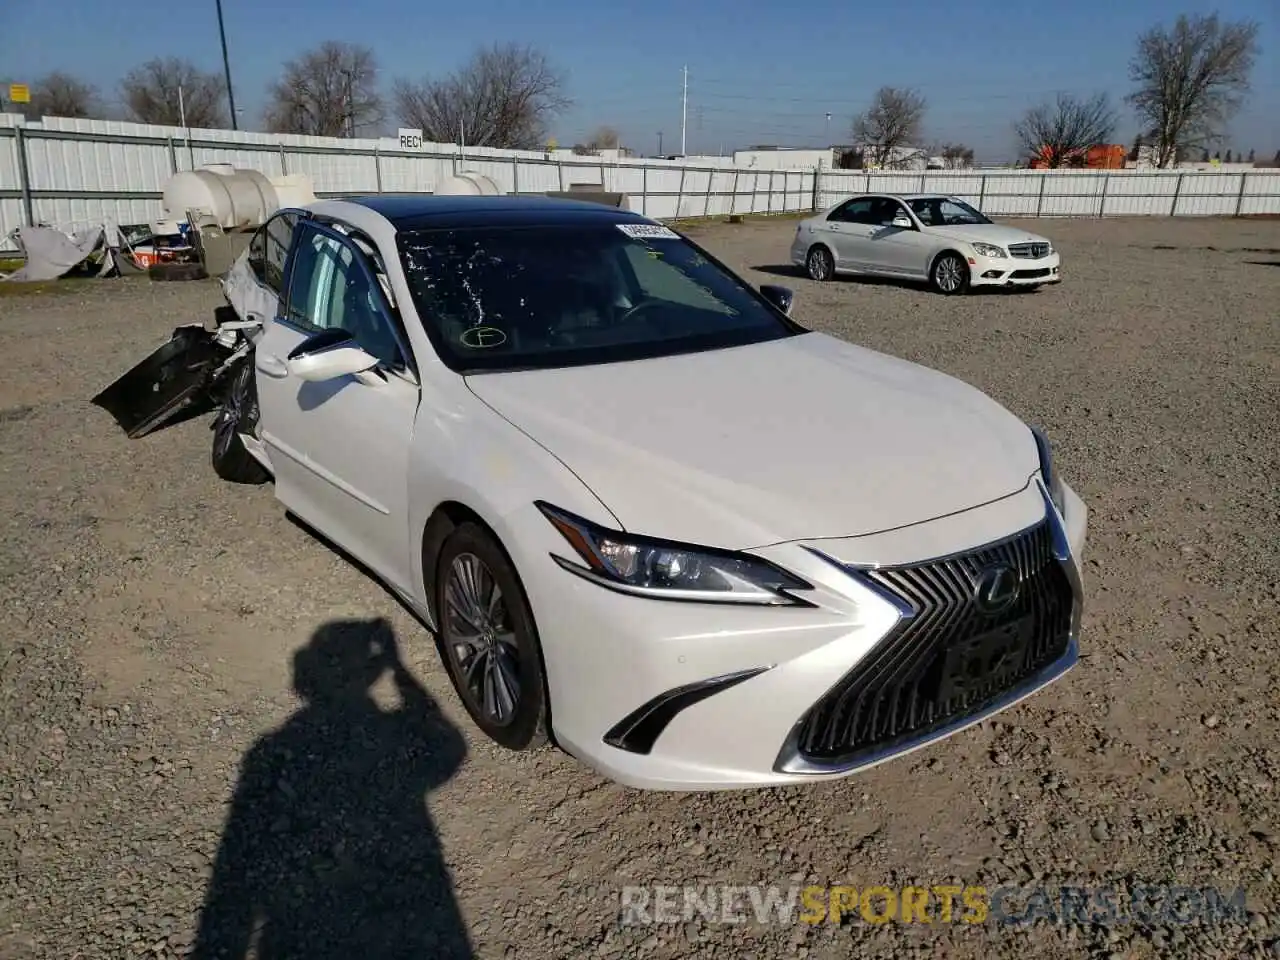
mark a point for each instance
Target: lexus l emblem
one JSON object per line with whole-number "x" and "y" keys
{"x": 997, "y": 588}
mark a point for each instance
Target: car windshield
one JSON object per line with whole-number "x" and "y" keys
{"x": 945, "y": 212}
{"x": 521, "y": 297}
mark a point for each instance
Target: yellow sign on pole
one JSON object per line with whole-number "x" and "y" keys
{"x": 19, "y": 93}
{"x": 551, "y": 145}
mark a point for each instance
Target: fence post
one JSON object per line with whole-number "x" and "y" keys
{"x": 24, "y": 176}
{"x": 1177, "y": 192}
{"x": 924, "y": 177}
{"x": 377, "y": 166}
{"x": 1040, "y": 196}
{"x": 706, "y": 203}
{"x": 603, "y": 186}
{"x": 1244, "y": 177}
{"x": 515, "y": 176}
{"x": 733, "y": 199}
{"x": 284, "y": 168}
{"x": 173, "y": 157}
{"x": 644, "y": 189}
{"x": 1102, "y": 206}
{"x": 817, "y": 172}
{"x": 191, "y": 151}
{"x": 982, "y": 192}
{"x": 680, "y": 195}
{"x": 560, "y": 174}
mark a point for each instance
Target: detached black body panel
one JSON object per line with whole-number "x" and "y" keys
{"x": 174, "y": 378}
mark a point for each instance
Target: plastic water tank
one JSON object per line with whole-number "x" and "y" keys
{"x": 234, "y": 197}
{"x": 468, "y": 185}
{"x": 293, "y": 190}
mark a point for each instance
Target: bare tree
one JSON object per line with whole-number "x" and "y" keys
{"x": 889, "y": 131}
{"x": 1191, "y": 80}
{"x": 1060, "y": 133}
{"x": 150, "y": 94}
{"x": 605, "y": 138}
{"x": 59, "y": 94}
{"x": 505, "y": 96}
{"x": 331, "y": 91}
{"x": 956, "y": 156}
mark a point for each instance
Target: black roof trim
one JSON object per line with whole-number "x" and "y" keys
{"x": 426, "y": 211}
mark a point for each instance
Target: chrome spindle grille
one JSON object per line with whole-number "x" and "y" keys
{"x": 949, "y": 659}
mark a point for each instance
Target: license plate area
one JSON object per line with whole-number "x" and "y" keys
{"x": 985, "y": 662}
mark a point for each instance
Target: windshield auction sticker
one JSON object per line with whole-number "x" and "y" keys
{"x": 647, "y": 231}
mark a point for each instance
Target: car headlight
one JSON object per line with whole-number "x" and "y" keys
{"x": 668, "y": 570}
{"x": 1052, "y": 482}
{"x": 988, "y": 250}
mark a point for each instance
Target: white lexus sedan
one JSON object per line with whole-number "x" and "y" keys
{"x": 941, "y": 240}
{"x": 648, "y": 515}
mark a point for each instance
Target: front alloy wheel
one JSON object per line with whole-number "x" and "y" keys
{"x": 480, "y": 638}
{"x": 489, "y": 641}
{"x": 950, "y": 274}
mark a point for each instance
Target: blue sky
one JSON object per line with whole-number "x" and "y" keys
{"x": 757, "y": 74}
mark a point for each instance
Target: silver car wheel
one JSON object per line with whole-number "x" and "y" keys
{"x": 819, "y": 264}
{"x": 478, "y": 635}
{"x": 949, "y": 274}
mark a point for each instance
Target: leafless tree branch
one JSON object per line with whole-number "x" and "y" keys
{"x": 1191, "y": 80}
{"x": 505, "y": 96}
{"x": 956, "y": 156}
{"x": 1061, "y": 133}
{"x": 59, "y": 94}
{"x": 150, "y": 94}
{"x": 889, "y": 131}
{"x": 331, "y": 91}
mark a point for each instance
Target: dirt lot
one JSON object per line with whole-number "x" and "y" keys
{"x": 150, "y": 616}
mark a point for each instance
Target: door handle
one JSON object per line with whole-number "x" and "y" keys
{"x": 272, "y": 365}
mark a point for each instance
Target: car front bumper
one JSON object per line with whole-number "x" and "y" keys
{"x": 1014, "y": 271}
{"x": 702, "y": 696}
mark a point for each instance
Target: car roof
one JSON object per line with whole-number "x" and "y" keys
{"x": 426, "y": 211}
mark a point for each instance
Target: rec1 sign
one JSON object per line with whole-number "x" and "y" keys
{"x": 410, "y": 139}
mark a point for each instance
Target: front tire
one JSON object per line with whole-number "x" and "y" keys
{"x": 819, "y": 264}
{"x": 489, "y": 640}
{"x": 950, "y": 274}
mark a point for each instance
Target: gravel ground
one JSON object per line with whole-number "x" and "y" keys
{"x": 151, "y": 619}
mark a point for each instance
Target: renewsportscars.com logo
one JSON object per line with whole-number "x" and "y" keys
{"x": 1156, "y": 905}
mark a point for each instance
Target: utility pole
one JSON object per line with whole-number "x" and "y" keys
{"x": 226, "y": 66}
{"x": 684, "y": 109}
{"x": 826, "y": 132}
{"x": 659, "y": 143}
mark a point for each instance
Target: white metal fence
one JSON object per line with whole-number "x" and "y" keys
{"x": 71, "y": 173}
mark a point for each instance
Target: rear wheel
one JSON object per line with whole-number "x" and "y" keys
{"x": 231, "y": 459}
{"x": 950, "y": 274}
{"x": 819, "y": 264}
{"x": 489, "y": 640}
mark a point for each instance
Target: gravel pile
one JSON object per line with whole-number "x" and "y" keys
{"x": 159, "y": 630}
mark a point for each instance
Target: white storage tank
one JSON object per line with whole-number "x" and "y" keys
{"x": 234, "y": 197}
{"x": 293, "y": 190}
{"x": 468, "y": 185}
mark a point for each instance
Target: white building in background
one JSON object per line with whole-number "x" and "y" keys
{"x": 784, "y": 158}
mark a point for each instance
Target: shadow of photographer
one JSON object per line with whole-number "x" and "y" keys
{"x": 328, "y": 850}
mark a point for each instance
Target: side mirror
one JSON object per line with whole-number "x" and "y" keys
{"x": 328, "y": 355}
{"x": 903, "y": 222}
{"x": 780, "y": 297}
